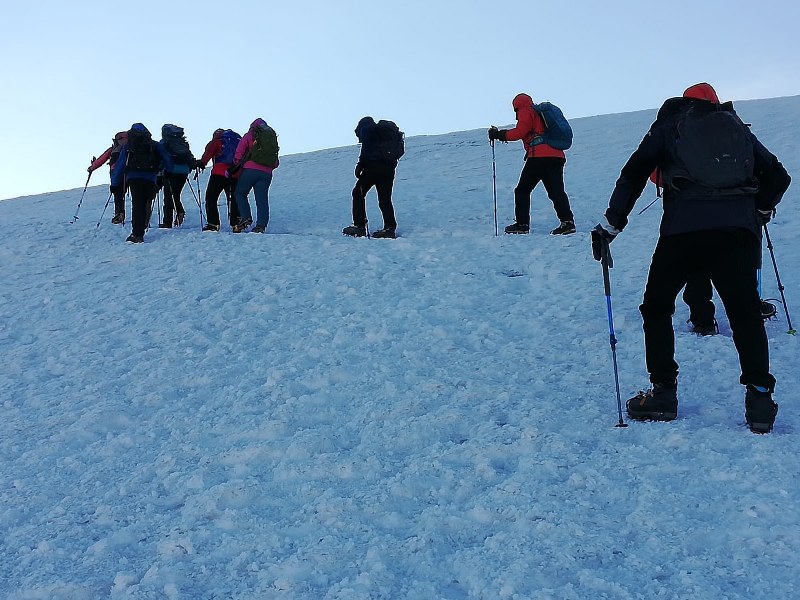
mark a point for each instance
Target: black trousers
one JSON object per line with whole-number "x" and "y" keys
{"x": 550, "y": 171}
{"x": 216, "y": 185}
{"x": 729, "y": 258}
{"x": 142, "y": 194}
{"x": 118, "y": 191}
{"x": 173, "y": 186}
{"x": 380, "y": 175}
{"x": 697, "y": 295}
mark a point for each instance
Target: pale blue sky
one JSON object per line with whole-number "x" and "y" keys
{"x": 75, "y": 73}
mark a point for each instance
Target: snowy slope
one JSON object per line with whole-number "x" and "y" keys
{"x": 300, "y": 415}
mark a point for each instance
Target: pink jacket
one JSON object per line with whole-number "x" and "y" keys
{"x": 244, "y": 146}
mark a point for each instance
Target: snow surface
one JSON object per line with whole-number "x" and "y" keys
{"x": 300, "y": 415}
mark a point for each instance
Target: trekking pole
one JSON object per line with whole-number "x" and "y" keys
{"x": 608, "y": 263}
{"x": 150, "y": 212}
{"x": 768, "y": 310}
{"x": 197, "y": 179}
{"x": 75, "y": 218}
{"x": 111, "y": 195}
{"x": 158, "y": 204}
{"x": 758, "y": 280}
{"x": 197, "y": 201}
{"x": 778, "y": 278}
{"x": 366, "y": 220}
{"x": 494, "y": 186}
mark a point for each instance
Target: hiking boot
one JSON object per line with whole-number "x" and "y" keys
{"x": 518, "y": 228}
{"x": 135, "y": 239}
{"x": 259, "y": 229}
{"x": 242, "y": 225}
{"x": 165, "y": 225}
{"x": 179, "y": 219}
{"x": 703, "y": 329}
{"x": 118, "y": 219}
{"x": 565, "y": 228}
{"x": 657, "y": 404}
{"x": 210, "y": 227}
{"x": 355, "y": 231}
{"x": 386, "y": 232}
{"x": 759, "y": 409}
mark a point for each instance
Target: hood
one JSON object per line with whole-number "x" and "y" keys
{"x": 121, "y": 136}
{"x": 257, "y": 123}
{"x": 168, "y": 129}
{"x": 140, "y": 127}
{"x": 364, "y": 124}
{"x": 702, "y": 91}
{"x": 522, "y": 101}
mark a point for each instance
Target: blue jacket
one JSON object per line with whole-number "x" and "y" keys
{"x": 118, "y": 174}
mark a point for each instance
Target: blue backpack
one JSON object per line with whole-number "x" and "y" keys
{"x": 230, "y": 140}
{"x": 558, "y": 132}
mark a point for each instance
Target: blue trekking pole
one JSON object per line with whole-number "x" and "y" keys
{"x": 768, "y": 310}
{"x": 494, "y": 186}
{"x": 608, "y": 263}
{"x": 791, "y": 331}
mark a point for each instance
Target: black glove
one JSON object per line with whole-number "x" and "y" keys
{"x": 496, "y": 134}
{"x": 601, "y": 236}
{"x": 764, "y": 216}
{"x": 199, "y": 165}
{"x": 359, "y": 170}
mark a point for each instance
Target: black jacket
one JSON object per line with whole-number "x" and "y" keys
{"x": 370, "y": 146}
{"x": 694, "y": 208}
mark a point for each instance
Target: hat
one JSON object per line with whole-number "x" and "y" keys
{"x": 701, "y": 91}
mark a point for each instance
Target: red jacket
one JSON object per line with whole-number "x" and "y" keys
{"x": 529, "y": 125}
{"x": 213, "y": 148}
{"x": 101, "y": 160}
{"x": 119, "y": 139}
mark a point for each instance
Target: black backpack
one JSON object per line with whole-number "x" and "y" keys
{"x": 388, "y": 141}
{"x": 116, "y": 146}
{"x": 143, "y": 155}
{"x": 176, "y": 145}
{"x": 712, "y": 149}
